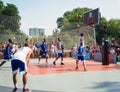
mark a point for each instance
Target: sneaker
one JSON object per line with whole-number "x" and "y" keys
{"x": 46, "y": 62}
{"x": 27, "y": 90}
{"x": 54, "y": 63}
{"x": 38, "y": 62}
{"x": 76, "y": 67}
{"x": 15, "y": 90}
{"x": 62, "y": 63}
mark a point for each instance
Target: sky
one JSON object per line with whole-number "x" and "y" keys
{"x": 44, "y": 13}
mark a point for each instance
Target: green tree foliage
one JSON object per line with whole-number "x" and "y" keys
{"x": 106, "y": 29}
{"x": 110, "y": 28}
{"x": 68, "y": 24}
{"x": 100, "y": 30}
{"x": 70, "y": 18}
{"x": 10, "y": 18}
{"x": 10, "y": 21}
{"x": 114, "y": 28}
{"x": 1, "y": 6}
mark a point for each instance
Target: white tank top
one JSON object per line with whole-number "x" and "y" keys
{"x": 59, "y": 50}
{"x": 52, "y": 48}
{"x": 81, "y": 40}
{"x": 22, "y": 53}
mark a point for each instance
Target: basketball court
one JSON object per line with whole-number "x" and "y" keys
{"x": 50, "y": 78}
{"x": 45, "y": 69}
{"x": 44, "y": 77}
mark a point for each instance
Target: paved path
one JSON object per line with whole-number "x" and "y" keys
{"x": 50, "y": 78}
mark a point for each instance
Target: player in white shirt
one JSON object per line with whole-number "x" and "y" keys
{"x": 21, "y": 57}
{"x": 81, "y": 39}
{"x": 59, "y": 51}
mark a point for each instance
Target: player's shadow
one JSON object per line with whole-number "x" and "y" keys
{"x": 44, "y": 65}
{"x": 5, "y": 68}
{"x": 9, "y": 89}
{"x": 107, "y": 86}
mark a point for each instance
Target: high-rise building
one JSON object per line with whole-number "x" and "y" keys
{"x": 36, "y": 31}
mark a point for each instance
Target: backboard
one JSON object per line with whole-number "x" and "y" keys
{"x": 92, "y": 17}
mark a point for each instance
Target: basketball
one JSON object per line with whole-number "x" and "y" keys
{"x": 79, "y": 16}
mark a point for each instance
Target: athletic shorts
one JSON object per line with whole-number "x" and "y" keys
{"x": 82, "y": 58}
{"x": 60, "y": 55}
{"x": 18, "y": 64}
{"x": 43, "y": 53}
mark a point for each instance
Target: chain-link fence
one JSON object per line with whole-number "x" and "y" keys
{"x": 15, "y": 38}
{"x": 70, "y": 38}
{"x": 69, "y": 35}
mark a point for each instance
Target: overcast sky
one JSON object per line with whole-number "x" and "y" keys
{"x": 44, "y": 13}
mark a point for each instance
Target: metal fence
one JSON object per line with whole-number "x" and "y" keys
{"x": 15, "y": 38}
{"x": 69, "y": 38}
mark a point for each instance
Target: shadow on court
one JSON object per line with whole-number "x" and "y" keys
{"x": 9, "y": 89}
{"x": 108, "y": 86}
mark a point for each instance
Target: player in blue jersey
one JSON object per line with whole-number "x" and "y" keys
{"x": 81, "y": 56}
{"x": 43, "y": 51}
{"x": 7, "y": 53}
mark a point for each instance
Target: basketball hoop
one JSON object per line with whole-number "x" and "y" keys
{"x": 90, "y": 21}
{"x": 92, "y": 17}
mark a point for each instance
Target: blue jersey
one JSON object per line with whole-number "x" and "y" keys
{"x": 80, "y": 51}
{"x": 44, "y": 46}
{"x": 5, "y": 53}
{"x": 87, "y": 51}
{"x": 8, "y": 51}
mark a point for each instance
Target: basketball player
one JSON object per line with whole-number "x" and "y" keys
{"x": 43, "y": 51}
{"x": 81, "y": 56}
{"x": 7, "y": 53}
{"x": 21, "y": 57}
{"x": 60, "y": 51}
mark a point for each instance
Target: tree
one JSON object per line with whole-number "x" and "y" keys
{"x": 71, "y": 18}
{"x": 114, "y": 28}
{"x": 10, "y": 18}
{"x": 101, "y": 30}
{"x": 10, "y": 23}
{"x": 107, "y": 28}
{"x": 1, "y": 6}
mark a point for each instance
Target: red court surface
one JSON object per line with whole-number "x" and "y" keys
{"x": 43, "y": 68}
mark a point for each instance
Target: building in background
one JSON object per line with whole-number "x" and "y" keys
{"x": 36, "y": 31}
